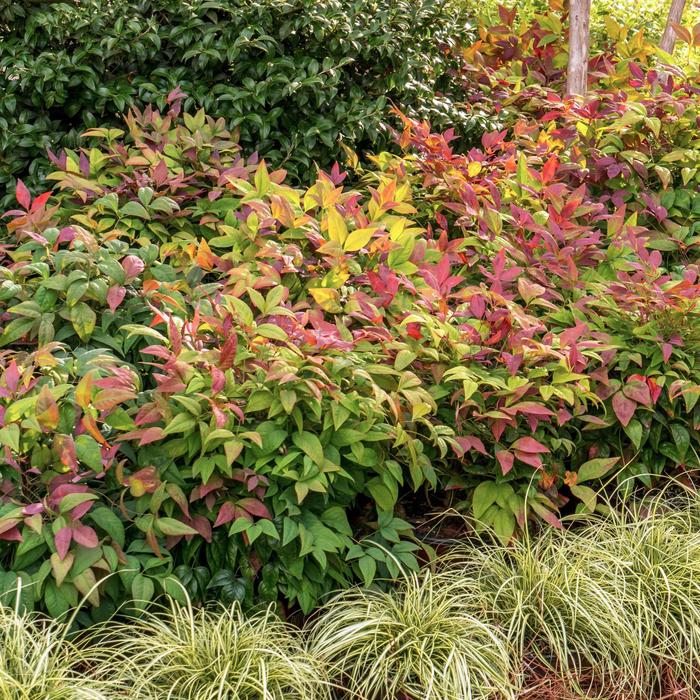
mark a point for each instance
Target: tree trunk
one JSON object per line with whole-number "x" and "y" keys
{"x": 579, "y": 39}
{"x": 675, "y": 14}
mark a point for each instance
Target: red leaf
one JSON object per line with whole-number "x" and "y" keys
{"x": 638, "y": 391}
{"x": 226, "y": 514}
{"x": 471, "y": 443}
{"x": 40, "y": 201}
{"x": 528, "y": 444}
{"x": 549, "y": 169}
{"x": 624, "y": 408}
{"x": 202, "y": 526}
{"x": 62, "y": 540}
{"x": 22, "y": 195}
{"x": 65, "y": 447}
{"x": 228, "y": 351}
{"x": 654, "y": 389}
{"x": 505, "y": 459}
{"x": 11, "y": 535}
{"x": 532, "y": 459}
{"x": 255, "y": 507}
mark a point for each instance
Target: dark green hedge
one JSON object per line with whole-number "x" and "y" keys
{"x": 294, "y": 76}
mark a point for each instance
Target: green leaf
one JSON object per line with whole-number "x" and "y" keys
{"x": 134, "y": 209}
{"x": 84, "y": 558}
{"x": 504, "y": 525}
{"x": 634, "y": 432}
{"x": 381, "y": 494}
{"x": 83, "y": 319}
{"x": 596, "y": 468}
{"x": 110, "y": 523}
{"x": 310, "y": 445}
{"x": 9, "y": 436}
{"x": 681, "y": 438}
{"x": 182, "y": 423}
{"x": 485, "y": 495}
{"x": 170, "y": 526}
{"x": 75, "y": 292}
{"x": 587, "y": 495}
{"x": 173, "y": 588}
{"x": 88, "y": 451}
{"x": 403, "y": 359}
{"x": 15, "y": 329}
{"x": 72, "y": 500}
{"x": 269, "y": 330}
{"x": 142, "y": 590}
{"x": 59, "y": 599}
{"x": 368, "y": 568}
{"x": 137, "y": 329}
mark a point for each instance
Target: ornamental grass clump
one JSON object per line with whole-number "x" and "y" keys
{"x": 648, "y": 557}
{"x": 38, "y": 662}
{"x": 607, "y": 607}
{"x": 421, "y": 641}
{"x": 182, "y": 653}
{"x": 561, "y": 619}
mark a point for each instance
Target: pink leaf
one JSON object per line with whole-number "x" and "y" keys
{"x": 85, "y": 535}
{"x": 571, "y": 335}
{"x": 115, "y": 296}
{"x": 12, "y": 376}
{"x": 547, "y": 515}
{"x": 505, "y": 459}
{"x": 33, "y": 509}
{"x": 218, "y": 380}
{"x": 133, "y": 267}
{"x": 624, "y": 408}
{"x": 62, "y": 540}
{"x": 150, "y": 435}
{"x": 81, "y": 509}
{"x": 563, "y": 416}
{"x": 532, "y": 408}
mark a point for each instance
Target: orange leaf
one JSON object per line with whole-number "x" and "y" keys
{"x": 682, "y": 32}
{"x": 46, "y": 410}
{"x": 90, "y": 425}
{"x": 205, "y": 258}
{"x": 83, "y": 392}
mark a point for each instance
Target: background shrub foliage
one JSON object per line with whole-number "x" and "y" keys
{"x": 212, "y": 377}
{"x": 291, "y": 77}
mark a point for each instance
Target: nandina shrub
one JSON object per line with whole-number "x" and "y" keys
{"x": 561, "y": 214}
{"x": 192, "y": 385}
